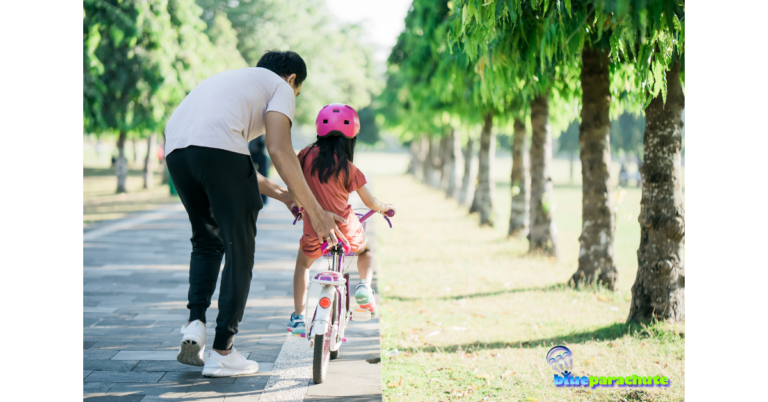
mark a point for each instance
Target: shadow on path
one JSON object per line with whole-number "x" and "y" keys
{"x": 550, "y": 288}
{"x": 607, "y": 333}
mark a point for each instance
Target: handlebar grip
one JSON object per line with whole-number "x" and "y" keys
{"x": 390, "y": 213}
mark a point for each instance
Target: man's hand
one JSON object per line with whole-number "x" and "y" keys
{"x": 324, "y": 223}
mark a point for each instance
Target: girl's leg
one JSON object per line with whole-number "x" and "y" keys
{"x": 365, "y": 262}
{"x": 364, "y": 293}
{"x": 300, "y": 281}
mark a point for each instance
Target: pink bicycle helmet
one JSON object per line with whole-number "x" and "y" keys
{"x": 337, "y": 119}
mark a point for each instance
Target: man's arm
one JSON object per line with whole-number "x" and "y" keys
{"x": 280, "y": 148}
{"x": 274, "y": 190}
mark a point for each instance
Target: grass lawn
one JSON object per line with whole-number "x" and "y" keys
{"x": 100, "y": 202}
{"x": 468, "y": 315}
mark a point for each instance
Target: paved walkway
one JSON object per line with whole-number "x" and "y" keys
{"x": 134, "y": 302}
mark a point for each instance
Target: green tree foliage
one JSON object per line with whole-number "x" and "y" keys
{"x": 522, "y": 39}
{"x": 139, "y": 61}
{"x": 568, "y": 141}
{"x": 141, "y": 58}
{"x": 340, "y": 67}
{"x": 627, "y": 133}
{"x": 128, "y": 65}
{"x": 197, "y": 57}
{"x": 369, "y": 129}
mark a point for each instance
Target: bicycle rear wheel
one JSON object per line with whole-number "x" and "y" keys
{"x": 321, "y": 357}
{"x": 335, "y": 355}
{"x": 322, "y": 353}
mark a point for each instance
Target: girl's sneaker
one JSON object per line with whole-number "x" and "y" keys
{"x": 296, "y": 325}
{"x": 364, "y": 298}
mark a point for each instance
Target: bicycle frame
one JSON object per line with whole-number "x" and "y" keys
{"x": 333, "y": 320}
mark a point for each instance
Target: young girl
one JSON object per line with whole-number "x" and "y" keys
{"x": 331, "y": 176}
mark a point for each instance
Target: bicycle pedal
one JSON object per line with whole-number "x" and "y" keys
{"x": 361, "y": 315}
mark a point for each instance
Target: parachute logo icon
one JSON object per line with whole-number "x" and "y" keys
{"x": 560, "y": 359}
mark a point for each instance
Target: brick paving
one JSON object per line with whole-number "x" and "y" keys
{"x": 135, "y": 282}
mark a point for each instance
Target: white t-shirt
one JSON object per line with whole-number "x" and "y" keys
{"x": 228, "y": 110}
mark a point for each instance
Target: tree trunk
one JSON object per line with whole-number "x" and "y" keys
{"x": 520, "y": 180}
{"x": 149, "y": 162}
{"x": 429, "y": 165}
{"x": 444, "y": 159}
{"x": 121, "y": 166}
{"x": 659, "y": 289}
{"x": 135, "y": 151}
{"x": 451, "y": 171}
{"x": 485, "y": 184}
{"x": 596, "y": 254}
{"x": 467, "y": 182}
{"x": 163, "y": 167}
{"x": 423, "y": 158}
{"x": 433, "y": 180}
{"x": 543, "y": 232}
{"x": 414, "y": 166}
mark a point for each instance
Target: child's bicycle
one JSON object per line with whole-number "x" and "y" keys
{"x": 326, "y": 329}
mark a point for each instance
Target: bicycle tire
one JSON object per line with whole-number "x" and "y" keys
{"x": 319, "y": 360}
{"x": 334, "y": 320}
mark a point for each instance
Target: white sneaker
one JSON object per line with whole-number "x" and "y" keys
{"x": 193, "y": 344}
{"x": 232, "y": 364}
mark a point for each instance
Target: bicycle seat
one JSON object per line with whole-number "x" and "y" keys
{"x": 329, "y": 278}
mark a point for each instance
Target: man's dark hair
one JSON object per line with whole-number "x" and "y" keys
{"x": 284, "y": 64}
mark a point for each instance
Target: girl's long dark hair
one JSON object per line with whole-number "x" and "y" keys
{"x": 333, "y": 156}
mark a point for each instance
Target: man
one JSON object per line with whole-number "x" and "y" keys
{"x": 207, "y": 155}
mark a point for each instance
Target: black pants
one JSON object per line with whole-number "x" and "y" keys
{"x": 220, "y": 192}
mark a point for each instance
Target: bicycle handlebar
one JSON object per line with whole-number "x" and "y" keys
{"x": 296, "y": 211}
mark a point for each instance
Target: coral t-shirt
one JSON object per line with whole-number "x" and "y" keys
{"x": 333, "y": 196}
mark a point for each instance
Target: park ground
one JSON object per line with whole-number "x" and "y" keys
{"x": 467, "y": 314}
{"x": 100, "y": 203}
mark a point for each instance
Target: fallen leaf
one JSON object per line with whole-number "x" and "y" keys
{"x": 422, "y": 311}
{"x": 391, "y": 353}
{"x": 483, "y": 376}
{"x": 438, "y": 369}
{"x": 478, "y": 315}
{"x": 460, "y": 329}
{"x": 497, "y": 355}
{"x": 433, "y": 333}
{"x": 531, "y": 399}
{"x": 395, "y": 385}
{"x": 508, "y": 373}
{"x": 602, "y": 297}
